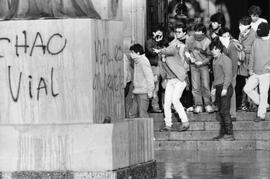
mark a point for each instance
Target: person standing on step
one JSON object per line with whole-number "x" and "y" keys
{"x": 197, "y": 51}
{"x": 157, "y": 41}
{"x": 174, "y": 70}
{"x": 223, "y": 90}
{"x": 259, "y": 71}
{"x": 246, "y": 38}
{"x": 232, "y": 48}
{"x": 143, "y": 81}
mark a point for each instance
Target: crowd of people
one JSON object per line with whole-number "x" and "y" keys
{"x": 203, "y": 69}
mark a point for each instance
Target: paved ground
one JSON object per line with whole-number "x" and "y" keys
{"x": 213, "y": 165}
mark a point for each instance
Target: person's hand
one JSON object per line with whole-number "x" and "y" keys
{"x": 192, "y": 60}
{"x": 213, "y": 92}
{"x": 198, "y": 63}
{"x": 150, "y": 95}
{"x": 224, "y": 92}
{"x": 156, "y": 50}
{"x": 251, "y": 73}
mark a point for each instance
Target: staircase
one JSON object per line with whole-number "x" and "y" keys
{"x": 248, "y": 134}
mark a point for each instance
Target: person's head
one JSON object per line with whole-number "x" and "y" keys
{"x": 217, "y": 20}
{"x": 180, "y": 31}
{"x": 158, "y": 33}
{"x": 199, "y": 29}
{"x": 216, "y": 48}
{"x": 224, "y": 36}
{"x": 136, "y": 51}
{"x": 263, "y": 29}
{"x": 254, "y": 12}
{"x": 244, "y": 24}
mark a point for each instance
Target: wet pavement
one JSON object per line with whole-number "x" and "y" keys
{"x": 213, "y": 164}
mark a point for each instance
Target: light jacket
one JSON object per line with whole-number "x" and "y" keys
{"x": 143, "y": 76}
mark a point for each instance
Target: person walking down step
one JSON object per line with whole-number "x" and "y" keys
{"x": 174, "y": 70}
{"x": 223, "y": 90}
{"x": 259, "y": 70}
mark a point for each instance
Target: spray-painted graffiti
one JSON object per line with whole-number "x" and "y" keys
{"x": 28, "y": 48}
{"x": 108, "y": 79}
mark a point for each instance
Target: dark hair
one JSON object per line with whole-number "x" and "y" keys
{"x": 158, "y": 28}
{"x": 223, "y": 30}
{"x": 200, "y": 27}
{"x": 246, "y": 20}
{"x": 255, "y": 10}
{"x": 180, "y": 26}
{"x": 137, "y": 48}
{"x": 219, "y": 18}
{"x": 216, "y": 43}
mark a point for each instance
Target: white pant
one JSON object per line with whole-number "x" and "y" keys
{"x": 173, "y": 93}
{"x": 258, "y": 98}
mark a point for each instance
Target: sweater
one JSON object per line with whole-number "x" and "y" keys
{"x": 199, "y": 49}
{"x": 222, "y": 67}
{"x": 260, "y": 56}
{"x": 232, "y": 53}
{"x": 143, "y": 76}
{"x": 175, "y": 60}
{"x": 247, "y": 42}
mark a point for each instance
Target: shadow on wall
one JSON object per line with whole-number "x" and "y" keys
{"x": 34, "y": 9}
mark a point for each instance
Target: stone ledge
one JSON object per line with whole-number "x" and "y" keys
{"x": 147, "y": 170}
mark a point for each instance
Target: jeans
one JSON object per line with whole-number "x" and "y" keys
{"x": 140, "y": 106}
{"x": 261, "y": 98}
{"x": 223, "y": 114}
{"x": 233, "y": 99}
{"x": 200, "y": 85}
{"x": 173, "y": 93}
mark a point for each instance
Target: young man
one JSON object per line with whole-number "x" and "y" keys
{"x": 255, "y": 12}
{"x": 143, "y": 81}
{"x": 223, "y": 90}
{"x": 197, "y": 47}
{"x": 246, "y": 38}
{"x": 231, "y": 49}
{"x": 174, "y": 71}
{"x": 157, "y": 41}
{"x": 259, "y": 70}
{"x": 217, "y": 21}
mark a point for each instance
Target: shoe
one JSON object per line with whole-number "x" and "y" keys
{"x": 233, "y": 118}
{"x": 258, "y": 119}
{"x": 209, "y": 109}
{"x": 198, "y": 109}
{"x": 218, "y": 137}
{"x": 253, "y": 109}
{"x": 156, "y": 110}
{"x": 165, "y": 129}
{"x": 184, "y": 127}
{"x": 227, "y": 137}
{"x": 190, "y": 109}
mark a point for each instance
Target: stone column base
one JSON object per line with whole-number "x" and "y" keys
{"x": 146, "y": 170}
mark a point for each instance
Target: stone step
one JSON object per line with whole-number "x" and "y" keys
{"x": 208, "y": 135}
{"x": 241, "y": 116}
{"x": 214, "y": 125}
{"x": 213, "y": 145}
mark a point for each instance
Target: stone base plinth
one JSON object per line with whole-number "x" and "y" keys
{"x": 141, "y": 171}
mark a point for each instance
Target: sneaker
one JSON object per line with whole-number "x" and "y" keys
{"x": 184, "y": 127}
{"x": 156, "y": 110}
{"x": 198, "y": 109}
{"x": 218, "y": 137}
{"x": 165, "y": 129}
{"x": 258, "y": 119}
{"x": 227, "y": 137}
{"x": 190, "y": 109}
{"x": 244, "y": 108}
{"x": 209, "y": 109}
